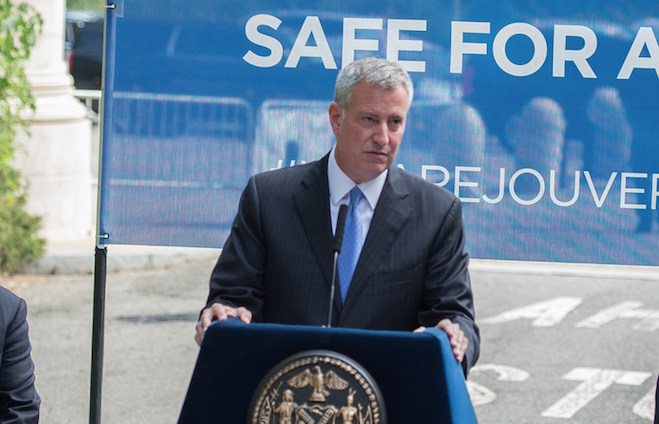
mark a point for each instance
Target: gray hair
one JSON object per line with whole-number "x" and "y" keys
{"x": 382, "y": 73}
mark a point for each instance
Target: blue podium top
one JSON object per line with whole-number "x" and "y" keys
{"x": 417, "y": 374}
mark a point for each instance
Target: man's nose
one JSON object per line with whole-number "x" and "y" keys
{"x": 381, "y": 135}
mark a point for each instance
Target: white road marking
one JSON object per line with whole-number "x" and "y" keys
{"x": 505, "y": 372}
{"x": 649, "y": 319}
{"x": 545, "y": 314}
{"x": 481, "y": 395}
{"x": 595, "y": 382}
{"x": 645, "y": 407}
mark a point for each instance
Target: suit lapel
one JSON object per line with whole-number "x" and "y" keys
{"x": 312, "y": 205}
{"x": 392, "y": 214}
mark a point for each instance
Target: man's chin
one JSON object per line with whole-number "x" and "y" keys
{"x": 374, "y": 172}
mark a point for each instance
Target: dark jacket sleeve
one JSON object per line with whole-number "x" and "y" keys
{"x": 19, "y": 401}
{"x": 237, "y": 279}
{"x": 448, "y": 285}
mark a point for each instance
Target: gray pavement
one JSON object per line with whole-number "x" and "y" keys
{"x": 545, "y": 352}
{"x": 149, "y": 348}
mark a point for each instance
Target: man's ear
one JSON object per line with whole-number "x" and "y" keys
{"x": 335, "y": 116}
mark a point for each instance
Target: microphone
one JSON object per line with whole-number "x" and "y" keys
{"x": 340, "y": 229}
{"x": 336, "y": 248}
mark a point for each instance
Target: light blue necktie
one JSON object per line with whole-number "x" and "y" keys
{"x": 352, "y": 243}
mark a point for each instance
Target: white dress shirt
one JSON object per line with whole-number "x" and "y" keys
{"x": 339, "y": 190}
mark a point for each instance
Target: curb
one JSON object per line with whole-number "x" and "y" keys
{"x": 620, "y": 272}
{"x": 76, "y": 259}
{"x": 119, "y": 258}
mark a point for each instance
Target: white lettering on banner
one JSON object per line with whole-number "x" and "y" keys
{"x": 459, "y": 47}
{"x": 270, "y": 43}
{"x": 350, "y": 41}
{"x": 395, "y": 45}
{"x": 458, "y": 183}
{"x": 425, "y": 169}
{"x": 481, "y": 395}
{"x": 545, "y": 314}
{"x": 466, "y": 181}
{"x": 595, "y": 382}
{"x": 312, "y": 26}
{"x": 427, "y": 173}
{"x": 539, "y": 49}
{"x": 502, "y": 184}
{"x": 552, "y": 190}
{"x": 644, "y": 38}
{"x": 599, "y": 201}
{"x": 578, "y": 57}
{"x": 624, "y": 190}
{"x": 628, "y": 310}
{"x": 541, "y": 190}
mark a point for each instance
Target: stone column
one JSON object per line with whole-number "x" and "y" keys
{"x": 54, "y": 156}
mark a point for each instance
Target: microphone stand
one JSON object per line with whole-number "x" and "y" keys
{"x": 331, "y": 305}
{"x": 338, "y": 242}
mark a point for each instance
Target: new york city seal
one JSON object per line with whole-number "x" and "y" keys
{"x": 317, "y": 387}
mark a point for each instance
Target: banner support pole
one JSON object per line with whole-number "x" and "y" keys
{"x": 98, "y": 334}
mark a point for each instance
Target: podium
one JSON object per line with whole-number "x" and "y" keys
{"x": 419, "y": 379}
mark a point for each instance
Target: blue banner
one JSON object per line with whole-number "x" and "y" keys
{"x": 542, "y": 118}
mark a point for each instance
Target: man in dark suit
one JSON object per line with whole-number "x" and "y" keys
{"x": 19, "y": 401}
{"x": 276, "y": 265}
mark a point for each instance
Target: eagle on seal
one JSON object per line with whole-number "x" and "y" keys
{"x": 319, "y": 382}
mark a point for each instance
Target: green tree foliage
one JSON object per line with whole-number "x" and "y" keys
{"x": 86, "y": 4}
{"x": 19, "y": 241}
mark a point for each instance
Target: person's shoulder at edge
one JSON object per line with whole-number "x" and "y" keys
{"x": 8, "y": 298}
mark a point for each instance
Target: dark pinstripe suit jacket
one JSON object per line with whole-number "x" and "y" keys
{"x": 278, "y": 259}
{"x": 19, "y": 401}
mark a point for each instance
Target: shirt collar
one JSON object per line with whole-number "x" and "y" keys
{"x": 340, "y": 184}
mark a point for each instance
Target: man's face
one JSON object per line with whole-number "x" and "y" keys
{"x": 368, "y": 132}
